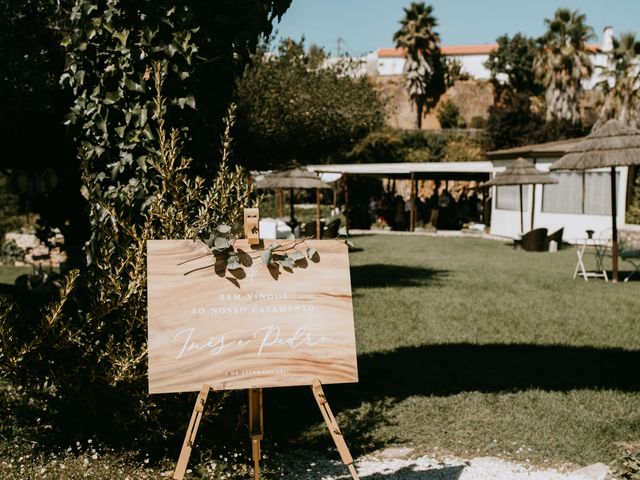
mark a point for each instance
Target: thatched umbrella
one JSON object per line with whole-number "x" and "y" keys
{"x": 520, "y": 173}
{"x": 295, "y": 178}
{"x": 612, "y": 145}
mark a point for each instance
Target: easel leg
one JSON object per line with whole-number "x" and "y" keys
{"x": 334, "y": 430}
{"x": 192, "y": 429}
{"x": 256, "y": 428}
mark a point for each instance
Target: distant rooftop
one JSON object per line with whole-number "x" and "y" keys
{"x": 483, "y": 49}
{"x": 540, "y": 150}
{"x": 457, "y": 50}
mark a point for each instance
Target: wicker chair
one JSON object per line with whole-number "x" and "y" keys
{"x": 332, "y": 228}
{"x": 533, "y": 241}
{"x": 555, "y": 236}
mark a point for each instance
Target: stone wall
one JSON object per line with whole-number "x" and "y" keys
{"x": 472, "y": 97}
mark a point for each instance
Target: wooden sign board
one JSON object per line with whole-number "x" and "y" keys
{"x": 253, "y": 327}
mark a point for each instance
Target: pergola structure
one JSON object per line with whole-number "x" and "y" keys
{"x": 437, "y": 171}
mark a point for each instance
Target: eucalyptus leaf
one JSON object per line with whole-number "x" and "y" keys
{"x": 287, "y": 262}
{"x": 296, "y": 255}
{"x": 221, "y": 243}
{"x": 224, "y": 229}
{"x": 267, "y": 258}
{"x": 233, "y": 262}
{"x": 311, "y": 252}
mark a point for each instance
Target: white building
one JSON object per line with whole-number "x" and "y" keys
{"x": 390, "y": 61}
{"x": 581, "y": 201}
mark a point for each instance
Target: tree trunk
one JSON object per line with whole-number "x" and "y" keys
{"x": 419, "y": 109}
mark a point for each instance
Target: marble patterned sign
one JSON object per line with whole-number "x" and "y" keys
{"x": 254, "y": 327}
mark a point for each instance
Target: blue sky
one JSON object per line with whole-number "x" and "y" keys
{"x": 366, "y": 25}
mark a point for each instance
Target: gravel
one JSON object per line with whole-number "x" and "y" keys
{"x": 399, "y": 464}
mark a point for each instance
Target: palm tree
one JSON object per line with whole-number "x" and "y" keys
{"x": 563, "y": 62}
{"x": 423, "y": 65}
{"x": 620, "y": 86}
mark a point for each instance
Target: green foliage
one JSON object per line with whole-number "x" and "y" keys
{"x": 464, "y": 149}
{"x": 417, "y": 146}
{"x": 454, "y": 72}
{"x": 563, "y": 62}
{"x": 9, "y": 217}
{"x": 381, "y": 146}
{"x": 111, "y": 49}
{"x": 511, "y": 121}
{"x": 633, "y": 211}
{"x": 83, "y": 353}
{"x": 290, "y": 106}
{"x": 449, "y": 116}
{"x": 32, "y": 101}
{"x": 620, "y": 87}
{"x": 514, "y": 59}
{"x": 425, "y": 69}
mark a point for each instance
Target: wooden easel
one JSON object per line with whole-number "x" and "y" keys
{"x": 256, "y": 421}
{"x": 256, "y": 430}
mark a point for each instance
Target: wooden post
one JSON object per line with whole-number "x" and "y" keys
{"x": 533, "y": 203}
{"x": 614, "y": 227}
{"x": 190, "y": 436}
{"x": 346, "y": 202}
{"x": 412, "y": 212}
{"x": 256, "y": 428}
{"x": 334, "y": 430}
{"x": 521, "y": 214}
{"x": 292, "y": 201}
{"x": 318, "y": 232}
{"x": 280, "y": 203}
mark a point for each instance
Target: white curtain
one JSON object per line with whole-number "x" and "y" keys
{"x": 564, "y": 196}
{"x": 597, "y": 198}
{"x": 508, "y": 198}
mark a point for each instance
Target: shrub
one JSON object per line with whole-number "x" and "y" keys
{"x": 633, "y": 212}
{"x": 378, "y": 147}
{"x": 464, "y": 149}
{"x": 449, "y": 116}
{"x": 478, "y": 122}
{"x": 83, "y": 352}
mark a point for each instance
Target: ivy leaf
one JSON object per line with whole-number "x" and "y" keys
{"x": 221, "y": 243}
{"x": 122, "y": 36}
{"x": 224, "y": 229}
{"x": 133, "y": 86}
{"x": 111, "y": 97}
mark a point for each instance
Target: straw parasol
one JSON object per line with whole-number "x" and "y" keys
{"x": 612, "y": 145}
{"x": 520, "y": 173}
{"x": 295, "y": 178}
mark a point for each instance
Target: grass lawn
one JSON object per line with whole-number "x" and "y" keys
{"x": 465, "y": 347}
{"x": 469, "y": 347}
{"x": 8, "y": 274}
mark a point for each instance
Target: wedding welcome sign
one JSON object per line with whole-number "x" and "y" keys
{"x": 254, "y": 327}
